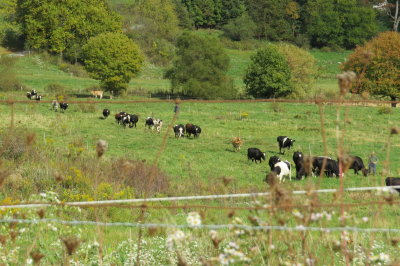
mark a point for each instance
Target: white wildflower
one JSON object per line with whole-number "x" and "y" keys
{"x": 298, "y": 214}
{"x": 272, "y": 246}
{"x": 29, "y": 261}
{"x": 233, "y": 245}
{"x": 193, "y": 219}
{"x": 310, "y": 262}
{"x": 223, "y": 259}
{"x": 213, "y": 234}
{"x": 365, "y": 219}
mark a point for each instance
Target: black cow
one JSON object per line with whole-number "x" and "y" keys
{"x": 64, "y": 106}
{"x": 358, "y": 165}
{"x": 179, "y": 131}
{"x": 301, "y": 167}
{"x": 255, "y": 155}
{"x": 331, "y": 166}
{"x": 393, "y": 181}
{"x": 284, "y": 142}
{"x": 193, "y": 129}
{"x": 126, "y": 120}
{"x": 133, "y": 120}
{"x": 28, "y": 95}
{"x": 106, "y": 113}
{"x": 272, "y": 161}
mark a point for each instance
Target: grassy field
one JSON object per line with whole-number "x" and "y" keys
{"x": 62, "y": 159}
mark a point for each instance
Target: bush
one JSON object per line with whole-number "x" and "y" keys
{"x": 268, "y": 74}
{"x": 146, "y": 180}
{"x": 241, "y": 28}
{"x": 57, "y": 89}
{"x": 76, "y": 70}
{"x": 384, "y": 110}
{"x": 8, "y": 78}
{"x": 303, "y": 68}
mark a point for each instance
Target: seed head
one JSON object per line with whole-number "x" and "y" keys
{"x": 71, "y": 244}
{"x": 101, "y": 147}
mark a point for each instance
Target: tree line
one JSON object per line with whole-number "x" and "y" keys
{"x": 111, "y": 40}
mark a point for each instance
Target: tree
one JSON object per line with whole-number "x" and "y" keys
{"x": 155, "y": 28}
{"x": 392, "y": 9}
{"x": 113, "y": 59}
{"x": 58, "y": 25}
{"x": 377, "y": 65}
{"x": 341, "y": 23}
{"x": 303, "y": 68}
{"x": 268, "y": 74}
{"x": 200, "y": 68}
{"x": 241, "y": 28}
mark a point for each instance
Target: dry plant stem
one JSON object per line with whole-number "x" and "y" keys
{"x": 139, "y": 244}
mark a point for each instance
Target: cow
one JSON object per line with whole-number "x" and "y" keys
{"x": 193, "y": 129}
{"x": 119, "y": 116}
{"x": 31, "y": 95}
{"x": 55, "y": 105}
{"x": 63, "y": 106}
{"x": 272, "y": 161}
{"x": 133, "y": 120}
{"x": 282, "y": 169}
{"x": 126, "y": 120}
{"x": 393, "y": 181}
{"x": 38, "y": 97}
{"x": 303, "y": 164}
{"x": 179, "y": 131}
{"x": 106, "y": 113}
{"x": 255, "y": 155}
{"x": 330, "y": 168}
{"x": 357, "y": 164}
{"x": 154, "y": 123}
{"x": 284, "y": 142}
{"x": 97, "y": 93}
{"x": 28, "y": 95}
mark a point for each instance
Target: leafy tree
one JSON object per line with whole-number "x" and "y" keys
{"x": 10, "y": 31}
{"x": 341, "y": 23}
{"x": 272, "y": 19}
{"x": 268, "y": 74}
{"x": 377, "y": 65}
{"x": 113, "y": 59}
{"x": 155, "y": 28}
{"x": 58, "y": 25}
{"x": 213, "y": 13}
{"x": 241, "y": 28}
{"x": 200, "y": 68}
{"x": 303, "y": 68}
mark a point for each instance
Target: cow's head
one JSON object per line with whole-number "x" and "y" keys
{"x": 263, "y": 156}
{"x": 298, "y": 156}
{"x": 364, "y": 171}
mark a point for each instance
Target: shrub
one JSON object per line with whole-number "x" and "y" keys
{"x": 241, "y": 28}
{"x": 146, "y": 180}
{"x": 57, "y": 89}
{"x": 303, "y": 68}
{"x": 268, "y": 74}
{"x": 383, "y": 110}
{"x": 8, "y": 78}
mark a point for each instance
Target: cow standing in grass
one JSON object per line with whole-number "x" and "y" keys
{"x": 255, "y": 154}
{"x": 106, "y": 113}
{"x": 284, "y": 142}
{"x": 179, "y": 131}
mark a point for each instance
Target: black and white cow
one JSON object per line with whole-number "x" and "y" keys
{"x": 193, "y": 129}
{"x": 179, "y": 131}
{"x": 284, "y": 142}
{"x": 272, "y": 161}
{"x": 298, "y": 159}
{"x": 154, "y": 123}
{"x": 32, "y": 95}
{"x": 282, "y": 169}
{"x": 63, "y": 106}
{"x": 125, "y": 120}
{"x": 119, "y": 116}
{"x": 38, "y": 97}
{"x": 106, "y": 113}
{"x": 393, "y": 181}
{"x": 255, "y": 154}
{"x": 149, "y": 122}
{"x": 133, "y": 120}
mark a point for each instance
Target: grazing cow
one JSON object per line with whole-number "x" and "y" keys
{"x": 393, "y": 181}
{"x": 119, "y": 116}
{"x": 154, "y": 123}
{"x": 38, "y": 97}
{"x": 133, "y": 120}
{"x": 97, "y": 93}
{"x": 179, "y": 131}
{"x": 63, "y": 106}
{"x": 255, "y": 154}
{"x": 284, "y": 142}
{"x": 357, "y": 164}
{"x": 28, "y": 95}
{"x": 149, "y": 122}
{"x": 331, "y": 166}
{"x": 193, "y": 129}
{"x": 106, "y": 113}
{"x": 272, "y": 161}
{"x": 282, "y": 169}
{"x": 237, "y": 142}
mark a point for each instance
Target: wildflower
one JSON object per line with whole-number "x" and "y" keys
{"x": 315, "y": 216}
{"x": 223, "y": 259}
{"x": 213, "y": 234}
{"x": 272, "y": 246}
{"x": 310, "y": 262}
{"x": 179, "y": 235}
{"x": 365, "y": 219}
{"x": 298, "y": 214}
{"x": 29, "y": 261}
{"x": 194, "y": 219}
{"x": 233, "y": 245}
{"x": 239, "y": 232}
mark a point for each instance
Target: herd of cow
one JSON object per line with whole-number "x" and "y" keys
{"x": 311, "y": 165}
{"x": 33, "y": 95}
{"x": 125, "y": 119}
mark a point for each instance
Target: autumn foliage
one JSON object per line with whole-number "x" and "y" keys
{"x": 377, "y": 65}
